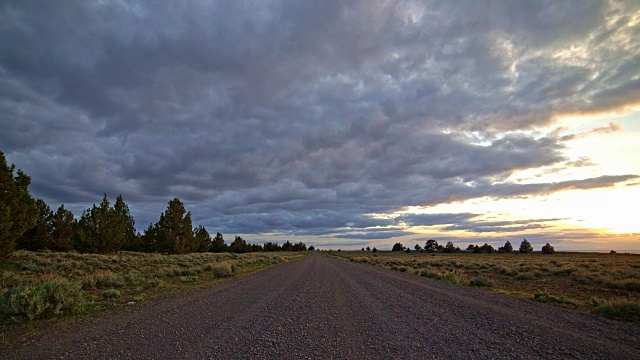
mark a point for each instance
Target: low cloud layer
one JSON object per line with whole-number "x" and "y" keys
{"x": 303, "y": 118}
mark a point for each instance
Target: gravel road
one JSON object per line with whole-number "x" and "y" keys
{"x": 319, "y": 307}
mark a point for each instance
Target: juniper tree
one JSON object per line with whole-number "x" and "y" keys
{"x": 173, "y": 232}
{"x": 397, "y": 247}
{"x": 239, "y": 245}
{"x": 507, "y": 247}
{"x": 62, "y": 230}
{"x": 548, "y": 249}
{"x": 124, "y": 226}
{"x": 18, "y": 211}
{"x": 525, "y": 247}
{"x": 449, "y": 248}
{"x": 203, "y": 239}
{"x": 103, "y": 229}
{"x": 218, "y": 244}
{"x": 38, "y": 237}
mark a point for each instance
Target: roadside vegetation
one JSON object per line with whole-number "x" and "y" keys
{"x": 604, "y": 284}
{"x": 56, "y": 265}
{"x": 44, "y": 285}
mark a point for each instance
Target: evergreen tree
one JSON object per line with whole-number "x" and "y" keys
{"x": 271, "y": 246}
{"x": 397, "y": 247}
{"x": 18, "y": 211}
{"x": 525, "y": 247}
{"x": 203, "y": 239}
{"x": 174, "y": 232}
{"x": 300, "y": 246}
{"x": 239, "y": 245}
{"x": 62, "y": 230}
{"x": 487, "y": 248}
{"x": 287, "y": 246}
{"x": 218, "y": 245}
{"x": 548, "y": 249}
{"x": 95, "y": 234}
{"x": 507, "y": 247}
{"x": 149, "y": 239}
{"x": 103, "y": 229}
{"x": 124, "y": 227}
{"x": 431, "y": 245}
{"x": 38, "y": 237}
{"x": 449, "y": 248}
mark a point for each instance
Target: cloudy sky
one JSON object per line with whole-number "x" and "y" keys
{"x": 339, "y": 123}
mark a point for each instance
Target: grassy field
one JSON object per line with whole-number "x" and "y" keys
{"x": 48, "y": 285}
{"x": 604, "y": 284}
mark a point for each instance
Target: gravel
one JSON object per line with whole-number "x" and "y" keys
{"x": 319, "y": 307}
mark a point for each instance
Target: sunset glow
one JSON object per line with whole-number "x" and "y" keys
{"x": 341, "y": 124}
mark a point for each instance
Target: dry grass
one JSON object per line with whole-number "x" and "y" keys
{"x": 604, "y": 284}
{"x": 62, "y": 285}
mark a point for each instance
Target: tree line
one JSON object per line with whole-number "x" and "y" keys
{"x": 432, "y": 246}
{"x": 27, "y": 223}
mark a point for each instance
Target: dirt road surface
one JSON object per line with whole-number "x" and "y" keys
{"x": 319, "y": 307}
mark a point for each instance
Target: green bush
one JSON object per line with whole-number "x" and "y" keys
{"x": 631, "y": 285}
{"x": 111, "y": 294}
{"x": 223, "y": 269}
{"x": 188, "y": 279}
{"x": 102, "y": 280}
{"x": 541, "y": 297}
{"x": 544, "y": 297}
{"x": 623, "y": 311}
{"x": 44, "y": 299}
{"x": 563, "y": 272}
{"x": 527, "y": 276}
{"x": 454, "y": 277}
{"x": 156, "y": 283}
{"x": 480, "y": 281}
{"x": 427, "y": 273}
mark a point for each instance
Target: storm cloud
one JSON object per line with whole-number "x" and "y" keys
{"x": 305, "y": 118}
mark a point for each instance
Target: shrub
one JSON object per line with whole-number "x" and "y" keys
{"x": 480, "y": 281}
{"x": 544, "y": 297}
{"x": 101, "y": 280}
{"x": 526, "y": 276}
{"x": 454, "y": 277}
{"x": 222, "y": 269}
{"x": 156, "y": 283}
{"x": 360, "y": 259}
{"x": 44, "y": 299}
{"x": 427, "y": 273}
{"x": 631, "y": 285}
{"x": 188, "y": 279}
{"x": 541, "y": 297}
{"x": 111, "y": 294}
{"x": 622, "y": 310}
{"x": 501, "y": 269}
{"x": 563, "y": 272}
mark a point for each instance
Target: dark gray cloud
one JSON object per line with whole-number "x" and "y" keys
{"x": 304, "y": 118}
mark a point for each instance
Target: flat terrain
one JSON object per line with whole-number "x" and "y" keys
{"x": 320, "y": 307}
{"x": 604, "y": 284}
